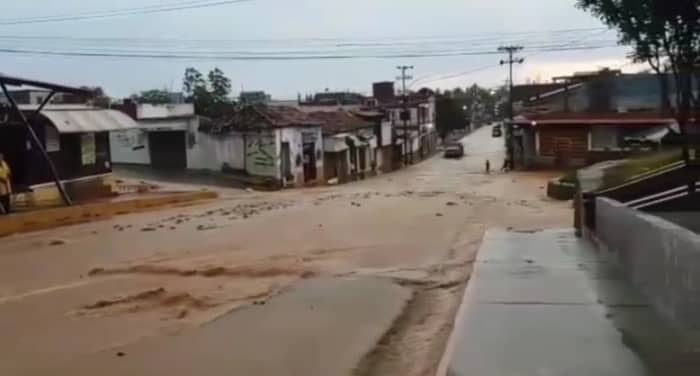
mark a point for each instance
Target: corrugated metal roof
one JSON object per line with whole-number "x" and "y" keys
{"x": 92, "y": 120}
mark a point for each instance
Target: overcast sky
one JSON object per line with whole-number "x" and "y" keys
{"x": 297, "y": 19}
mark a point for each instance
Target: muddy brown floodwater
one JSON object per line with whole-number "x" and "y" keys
{"x": 107, "y": 284}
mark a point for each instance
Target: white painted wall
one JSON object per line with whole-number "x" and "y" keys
{"x": 395, "y": 115}
{"x": 334, "y": 144}
{"x": 296, "y": 138}
{"x": 262, "y": 153}
{"x": 129, "y": 146}
{"x": 161, "y": 111}
{"x": 386, "y": 133}
{"x": 211, "y": 152}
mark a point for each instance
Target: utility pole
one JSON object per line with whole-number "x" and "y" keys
{"x": 404, "y": 113}
{"x": 510, "y": 50}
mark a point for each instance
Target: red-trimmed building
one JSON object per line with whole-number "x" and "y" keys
{"x": 563, "y": 139}
{"x": 592, "y": 118}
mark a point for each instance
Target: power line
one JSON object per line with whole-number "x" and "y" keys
{"x": 424, "y": 79}
{"x": 569, "y": 43}
{"x": 430, "y": 50}
{"x": 243, "y": 56}
{"x": 121, "y": 12}
{"x": 332, "y": 40}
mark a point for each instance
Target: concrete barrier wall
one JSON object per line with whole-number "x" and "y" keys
{"x": 661, "y": 258}
{"x": 688, "y": 219}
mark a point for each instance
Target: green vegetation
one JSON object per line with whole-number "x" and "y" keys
{"x": 632, "y": 167}
{"x": 210, "y": 97}
{"x": 618, "y": 172}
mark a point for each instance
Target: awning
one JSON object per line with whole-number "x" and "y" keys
{"x": 335, "y": 143}
{"x": 354, "y": 140}
{"x": 655, "y": 134}
{"x": 369, "y": 140}
{"x": 90, "y": 120}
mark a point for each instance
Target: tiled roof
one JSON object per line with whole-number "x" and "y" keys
{"x": 284, "y": 116}
{"x": 259, "y": 116}
{"x": 340, "y": 121}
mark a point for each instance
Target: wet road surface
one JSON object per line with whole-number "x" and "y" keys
{"x": 80, "y": 290}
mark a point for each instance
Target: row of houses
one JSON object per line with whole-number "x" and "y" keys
{"x": 288, "y": 145}
{"x": 285, "y": 144}
{"x": 591, "y": 117}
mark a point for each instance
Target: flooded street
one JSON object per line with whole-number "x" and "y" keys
{"x": 69, "y": 293}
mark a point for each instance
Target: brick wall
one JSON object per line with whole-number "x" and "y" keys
{"x": 564, "y": 146}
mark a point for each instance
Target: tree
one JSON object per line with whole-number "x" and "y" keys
{"x": 193, "y": 80}
{"x": 220, "y": 86}
{"x": 154, "y": 96}
{"x": 664, "y": 34}
{"x": 210, "y": 98}
{"x": 203, "y": 100}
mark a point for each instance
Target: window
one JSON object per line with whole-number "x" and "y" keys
{"x": 603, "y": 138}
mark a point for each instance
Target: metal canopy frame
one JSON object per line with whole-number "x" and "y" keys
{"x": 53, "y": 89}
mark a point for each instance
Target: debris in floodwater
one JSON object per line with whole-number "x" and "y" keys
{"x": 451, "y": 203}
{"x": 438, "y": 214}
{"x": 530, "y": 231}
{"x": 148, "y": 229}
{"x": 120, "y": 354}
{"x": 95, "y": 271}
{"x": 57, "y": 242}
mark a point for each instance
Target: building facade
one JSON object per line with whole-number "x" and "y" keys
{"x": 281, "y": 145}
{"x": 413, "y": 125}
{"x": 349, "y": 144}
{"x": 594, "y": 117}
{"x": 76, "y": 139}
{"x": 163, "y": 138}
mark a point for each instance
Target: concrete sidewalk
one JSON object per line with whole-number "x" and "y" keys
{"x": 321, "y": 327}
{"x": 545, "y": 303}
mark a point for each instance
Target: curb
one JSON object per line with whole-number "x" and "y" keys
{"x": 65, "y": 216}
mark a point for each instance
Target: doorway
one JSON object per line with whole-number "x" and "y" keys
{"x": 286, "y": 162}
{"x": 168, "y": 149}
{"x": 13, "y": 145}
{"x": 309, "y": 162}
{"x": 563, "y": 148}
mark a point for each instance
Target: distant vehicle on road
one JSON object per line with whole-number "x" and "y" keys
{"x": 454, "y": 150}
{"x": 497, "y": 131}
